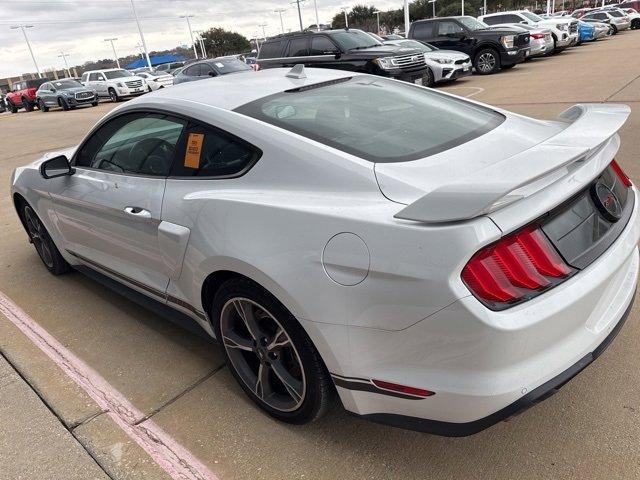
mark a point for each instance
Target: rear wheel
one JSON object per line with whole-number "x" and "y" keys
{"x": 28, "y": 106}
{"x": 487, "y": 61}
{"x": 47, "y": 250}
{"x": 269, "y": 353}
{"x": 12, "y": 107}
{"x": 42, "y": 106}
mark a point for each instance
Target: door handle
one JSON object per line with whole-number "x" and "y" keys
{"x": 137, "y": 212}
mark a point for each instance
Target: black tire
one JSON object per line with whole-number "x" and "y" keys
{"x": 63, "y": 103}
{"x": 28, "y": 106}
{"x": 38, "y": 235}
{"x": 94, "y": 104}
{"x": 428, "y": 80}
{"x": 309, "y": 371}
{"x": 487, "y": 61}
{"x": 113, "y": 95}
{"x": 635, "y": 24}
{"x": 614, "y": 29}
{"x": 43, "y": 108}
{"x": 12, "y": 108}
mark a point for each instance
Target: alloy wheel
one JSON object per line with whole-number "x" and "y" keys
{"x": 38, "y": 236}
{"x": 486, "y": 62}
{"x": 262, "y": 354}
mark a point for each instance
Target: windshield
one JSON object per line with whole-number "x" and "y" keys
{"x": 229, "y": 65}
{"x": 354, "y": 39}
{"x": 376, "y": 119}
{"x": 64, "y": 84}
{"x": 532, "y": 16}
{"x": 117, "y": 74}
{"x": 472, "y": 24}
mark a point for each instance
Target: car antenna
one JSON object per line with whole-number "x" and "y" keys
{"x": 297, "y": 71}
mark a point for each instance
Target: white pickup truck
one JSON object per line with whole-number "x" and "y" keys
{"x": 564, "y": 30}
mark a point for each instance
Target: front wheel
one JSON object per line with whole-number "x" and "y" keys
{"x": 269, "y": 353}
{"x": 487, "y": 61}
{"x": 12, "y": 107}
{"x": 113, "y": 95}
{"x": 63, "y": 103}
{"x": 94, "y": 104}
{"x": 28, "y": 106}
{"x": 428, "y": 80}
{"x": 47, "y": 250}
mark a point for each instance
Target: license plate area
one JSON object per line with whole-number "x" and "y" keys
{"x": 580, "y": 229}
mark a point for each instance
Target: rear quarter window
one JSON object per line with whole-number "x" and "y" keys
{"x": 423, "y": 30}
{"x": 271, "y": 49}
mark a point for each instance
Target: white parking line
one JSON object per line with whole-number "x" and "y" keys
{"x": 476, "y": 90}
{"x": 176, "y": 460}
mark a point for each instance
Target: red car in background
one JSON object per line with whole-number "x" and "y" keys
{"x": 23, "y": 95}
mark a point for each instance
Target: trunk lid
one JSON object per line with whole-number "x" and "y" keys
{"x": 507, "y": 165}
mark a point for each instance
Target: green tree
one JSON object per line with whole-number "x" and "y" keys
{"x": 360, "y": 16}
{"x": 219, "y": 42}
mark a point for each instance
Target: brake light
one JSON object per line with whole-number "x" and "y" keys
{"x": 537, "y": 36}
{"x": 518, "y": 267}
{"x": 623, "y": 177}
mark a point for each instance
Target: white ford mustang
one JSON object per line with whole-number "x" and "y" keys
{"x": 439, "y": 263}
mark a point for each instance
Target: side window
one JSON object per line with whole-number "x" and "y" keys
{"x": 85, "y": 77}
{"x": 206, "y": 70}
{"x": 136, "y": 143}
{"x": 322, "y": 45}
{"x": 193, "y": 71}
{"x": 271, "y": 49}
{"x": 46, "y": 86}
{"x": 447, "y": 28}
{"x": 423, "y": 30}
{"x": 93, "y": 77}
{"x": 493, "y": 19}
{"x": 298, "y": 47}
{"x": 513, "y": 19}
{"x": 209, "y": 152}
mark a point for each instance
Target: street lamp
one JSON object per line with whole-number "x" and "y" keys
{"x": 201, "y": 42}
{"x": 407, "y": 22}
{"x": 433, "y": 5}
{"x": 144, "y": 44}
{"x": 280, "y": 11}
{"x": 195, "y": 52}
{"x": 24, "y": 32}
{"x": 298, "y": 2}
{"x": 264, "y": 34}
{"x": 315, "y": 6}
{"x": 111, "y": 40}
{"x": 377, "y": 12}
{"x": 346, "y": 17}
{"x": 462, "y": 7}
{"x": 64, "y": 57}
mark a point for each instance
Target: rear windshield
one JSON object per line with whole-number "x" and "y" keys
{"x": 376, "y": 119}
{"x": 229, "y": 65}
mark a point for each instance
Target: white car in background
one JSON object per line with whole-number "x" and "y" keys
{"x": 430, "y": 258}
{"x": 564, "y": 30}
{"x": 540, "y": 39}
{"x": 114, "y": 83}
{"x": 157, "y": 80}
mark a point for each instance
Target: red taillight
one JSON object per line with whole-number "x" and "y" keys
{"x": 537, "y": 36}
{"x": 395, "y": 387}
{"x": 626, "y": 181}
{"x": 515, "y": 268}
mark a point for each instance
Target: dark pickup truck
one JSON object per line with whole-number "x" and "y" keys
{"x": 347, "y": 49}
{"x": 489, "y": 49}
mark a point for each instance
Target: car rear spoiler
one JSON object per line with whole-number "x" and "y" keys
{"x": 588, "y": 127}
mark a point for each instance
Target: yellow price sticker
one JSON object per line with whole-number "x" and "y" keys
{"x": 194, "y": 149}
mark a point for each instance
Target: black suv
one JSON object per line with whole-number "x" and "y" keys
{"x": 348, "y": 49}
{"x": 489, "y": 49}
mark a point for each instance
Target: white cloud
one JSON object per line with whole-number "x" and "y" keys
{"x": 79, "y": 27}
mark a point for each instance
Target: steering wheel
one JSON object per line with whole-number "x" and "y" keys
{"x": 156, "y": 155}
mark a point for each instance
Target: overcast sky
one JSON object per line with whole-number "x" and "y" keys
{"x": 79, "y": 27}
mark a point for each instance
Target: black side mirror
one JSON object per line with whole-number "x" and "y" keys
{"x": 56, "y": 167}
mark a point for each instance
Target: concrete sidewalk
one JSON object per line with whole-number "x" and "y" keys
{"x": 34, "y": 443}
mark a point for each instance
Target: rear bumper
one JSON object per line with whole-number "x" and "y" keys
{"x": 544, "y": 391}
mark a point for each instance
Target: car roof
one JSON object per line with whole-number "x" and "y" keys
{"x": 235, "y": 89}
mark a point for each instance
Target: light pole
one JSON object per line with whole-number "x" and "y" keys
{"x": 64, "y": 57}
{"x": 407, "y": 22}
{"x": 144, "y": 44}
{"x": 280, "y": 11}
{"x": 346, "y": 17}
{"x": 264, "y": 34}
{"x": 315, "y": 6}
{"x": 298, "y": 2}
{"x": 548, "y": 7}
{"x": 433, "y": 5}
{"x": 377, "y": 12}
{"x": 462, "y": 7}
{"x": 24, "y": 32}
{"x": 201, "y": 42}
{"x": 111, "y": 40}
{"x": 484, "y": 7}
{"x": 195, "y": 52}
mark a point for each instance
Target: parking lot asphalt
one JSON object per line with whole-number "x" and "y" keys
{"x": 589, "y": 429}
